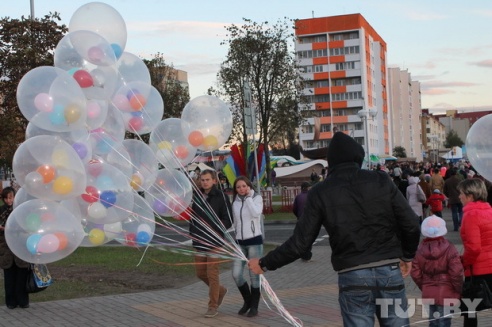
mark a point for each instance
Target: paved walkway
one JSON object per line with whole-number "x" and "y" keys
{"x": 307, "y": 290}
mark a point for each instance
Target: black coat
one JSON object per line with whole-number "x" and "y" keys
{"x": 203, "y": 220}
{"x": 366, "y": 216}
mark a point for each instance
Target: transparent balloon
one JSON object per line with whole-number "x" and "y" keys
{"x": 139, "y": 228}
{"x": 51, "y": 99}
{"x": 22, "y": 196}
{"x": 107, "y": 197}
{"x": 97, "y": 111}
{"x": 78, "y": 139}
{"x": 144, "y": 164}
{"x": 132, "y": 69}
{"x": 49, "y": 168}
{"x": 170, "y": 194}
{"x": 207, "y": 122}
{"x": 479, "y": 146}
{"x": 170, "y": 145}
{"x": 42, "y": 231}
{"x": 141, "y": 106}
{"x": 104, "y": 20}
{"x": 112, "y": 132}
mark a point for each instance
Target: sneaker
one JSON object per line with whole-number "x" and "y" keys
{"x": 222, "y": 294}
{"x": 211, "y": 313}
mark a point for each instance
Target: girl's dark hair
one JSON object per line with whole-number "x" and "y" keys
{"x": 240, "y": 178}
{"x": 6, "y": 191}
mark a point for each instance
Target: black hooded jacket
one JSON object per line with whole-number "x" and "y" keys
{"x": 366, "y": 216}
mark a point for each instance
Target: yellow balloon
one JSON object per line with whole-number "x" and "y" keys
{"x": 210, "y": 142}
{"x": 63, "y": 185}
{"x": 60, "y": 158}
{"x": 72, "y": 113}
{"x": 136, "y": 182}
{"x": 96, "y": 236}
{"x": 165, "y": 145}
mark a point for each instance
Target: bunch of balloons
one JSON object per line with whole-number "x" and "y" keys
{"x": 78, "y": 174}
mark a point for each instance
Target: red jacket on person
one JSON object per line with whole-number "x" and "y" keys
{"x": 437, "y": 270}
{"x": 435, "y": 202}
{"x": 476, "y": 234}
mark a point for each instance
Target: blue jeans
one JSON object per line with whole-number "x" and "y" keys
{"x": 457, "y": 214}
{"x": 435, "y": 312}
{"x": 250, "y": 251}
{"x": 370, "y": 292}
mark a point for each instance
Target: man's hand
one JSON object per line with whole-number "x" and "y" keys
{"x": 254, "y": 266}
{"x": 405, "y": 268}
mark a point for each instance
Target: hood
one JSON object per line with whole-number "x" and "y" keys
{"x": 413, "y": 180}
{"x": 434, "y": 248}
{"x": 343, "y": 149}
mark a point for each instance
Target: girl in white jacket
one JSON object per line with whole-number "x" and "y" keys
{"x": 247, "y": 209}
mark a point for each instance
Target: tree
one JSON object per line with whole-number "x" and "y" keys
{"x": 260, "y": 54}
{"x": 24, "y": 45}
{"x": 400, "y": 152}
{"x": 452, "y": 139}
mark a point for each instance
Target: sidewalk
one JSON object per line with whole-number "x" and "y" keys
{"x": 307, "y": 290}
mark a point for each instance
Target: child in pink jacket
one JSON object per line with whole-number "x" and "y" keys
{"x": 437, "y": 271}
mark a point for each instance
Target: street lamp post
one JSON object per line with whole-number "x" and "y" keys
{"x": 364, "y": 114}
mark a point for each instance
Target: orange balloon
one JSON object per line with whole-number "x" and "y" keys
{"x": 137, "y": 102}
{"x": 181, "y": 152}
{"x": 62, "y": 238}
{"x": 63, "y": 185}
{"x": 195, "y": 138}
{"x": 48, "y": 173}
{"x": 135, "y": 182}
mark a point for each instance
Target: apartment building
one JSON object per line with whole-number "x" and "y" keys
{"x": 405, "y": 112}
{"x": 343, "y": 62}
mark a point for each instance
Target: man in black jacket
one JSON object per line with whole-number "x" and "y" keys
{"x": 211, "y": 218}
{"x": 373, "y": 234}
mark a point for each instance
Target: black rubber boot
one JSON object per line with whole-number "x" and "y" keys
{"x": 255, "y": 300}
{"x": 246, "y": 293}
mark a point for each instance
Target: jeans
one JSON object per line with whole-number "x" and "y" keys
{"x": 250, "y": 251}
{"x": 435, "y": 314}
{"x": 378, "y": 291}
{"x": 457, "y": 214}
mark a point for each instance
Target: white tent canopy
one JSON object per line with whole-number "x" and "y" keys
{"x": 455, "y": 153}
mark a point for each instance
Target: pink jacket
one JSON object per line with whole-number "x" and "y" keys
{"x": 476, "y": 234}
{"x": 437, "y": 270}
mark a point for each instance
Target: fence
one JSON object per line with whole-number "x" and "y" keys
{"x": 288, "y": 196}
{"x": 267, "y": 201}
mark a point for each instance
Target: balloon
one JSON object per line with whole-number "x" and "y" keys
{"x": 170, "y": 194}
{"x": 143, "y": 162}
{"x": 35, "y": 238}
{"x": 195, "y": 138}
{"x": 143, "y": 100}
{"x": 48, "y": 96}
{"x": 209, "y": 116}
{"x": 140, "y": 221}
{"x": 131, "y": 69}
{"x": 479, "y": 146}
{"x": 170, "y": 145}
{"x": 108, "y": 198}
{"x": 63, "y": 185}
{"x": 83, "y": 78}
{"x": 91, "y": 194}
{"x": 22, "y": 196}
{"x": 112, "y": 132}
{"x": 96, "y": 236}
{"x": 104, "y": 20}
{"x": 97, "y": 211}
{"x": 47, "y": 172}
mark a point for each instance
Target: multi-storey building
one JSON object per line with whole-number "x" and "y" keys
{"x": 343, "y": 62}
{"x": 433, "y": 137}
{"x": 405, "y": 112}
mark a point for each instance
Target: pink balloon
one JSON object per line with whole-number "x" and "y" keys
{"x": 48, "y": 243}
{"x": 95, "y": 55}
{"x": 93, "y": 109}
{"x": 121, "y": 102}
{"x": 43, "y": 102}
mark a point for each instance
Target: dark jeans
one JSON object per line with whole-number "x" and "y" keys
{"x": 457, "y": 214}
{"x": 15, "y": 286}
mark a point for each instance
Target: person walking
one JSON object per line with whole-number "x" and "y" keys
{"x": 453, "y": 195}
{"x": 437, "y": 181}
{"x": 298, "y": 209}
{"x": 437, "y": 271}
{"x": 373, "y": 234}
{"x": 415, "y": 196}
{"x": 15, "y": 270}
{"x": 247, "y": 209}
{"x": 435, "y": 202}
{"x": 475, "y": 232}
{"x": 424, "y": 185}
{"x": 211, "y": 217}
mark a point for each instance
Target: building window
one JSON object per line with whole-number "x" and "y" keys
{"x": 344, "y": 51}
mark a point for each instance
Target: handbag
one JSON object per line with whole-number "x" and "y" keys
{"x": 420, "y": 194}
{"x": 38, "y": 278}
{"x": 476, "y": 289}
